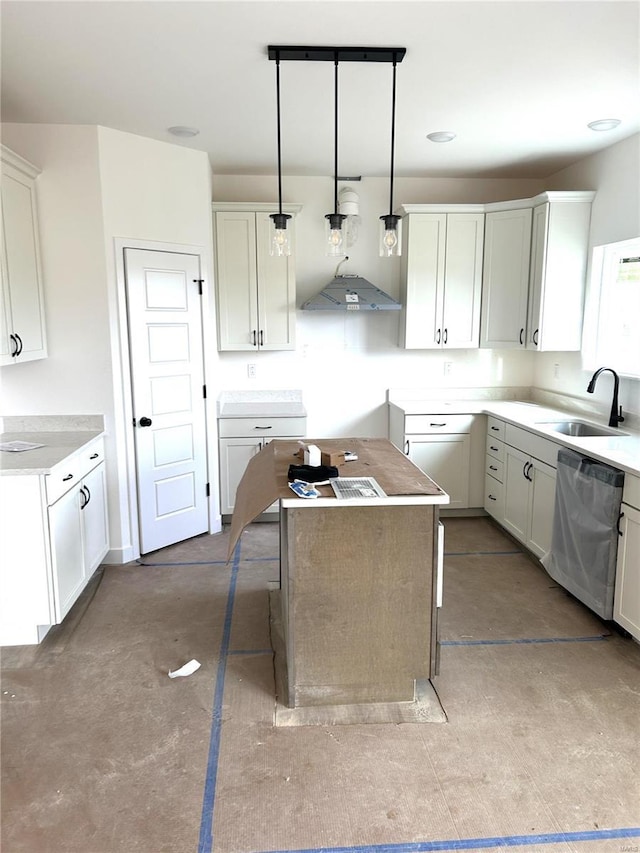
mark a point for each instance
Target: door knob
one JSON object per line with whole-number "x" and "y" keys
{"x": 144, "y": 422}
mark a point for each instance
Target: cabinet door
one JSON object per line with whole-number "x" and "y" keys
{"x": 236, "y": 287}
{"x": 542, "y": 503}
{"x": 423, "y": 266}
{"x": 235, "y": 454}
{"x": 276, "y": 291}
{"x": 93, "y": 511}
{"x": 463, "y": 280}
{"x": 507, "y": 247}
{"x": 445, "y": 459}
{"x": 494, "y": 498}
{"x": 516, "y": 492}
{"x": 67, "y": 551}
{"x": 560, "y": 238}
{"x": 23, "y": 333}
{"x": 626, "y": 602}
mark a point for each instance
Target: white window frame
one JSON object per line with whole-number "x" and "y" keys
{"x": 603, "y": 263}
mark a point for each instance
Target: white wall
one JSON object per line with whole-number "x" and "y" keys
{"x": 97, "y": 185}
{"x": 345, "y": 362}
{"x": 615, "y": 175}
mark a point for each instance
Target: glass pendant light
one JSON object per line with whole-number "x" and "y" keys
{"x": 390, "y": 224}
{"x": 336, "y": 242}
{"x": 280, "y": 244}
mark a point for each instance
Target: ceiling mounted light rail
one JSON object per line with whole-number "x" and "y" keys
{"x": 390, "y": 224}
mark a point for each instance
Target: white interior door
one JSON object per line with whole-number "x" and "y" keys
{"x": 167, "y": 376}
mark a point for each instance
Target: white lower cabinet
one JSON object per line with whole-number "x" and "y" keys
{"x": 626, "y": 602}
{"x": 448, "y": 448}
{"x": 240, "y": 440}
{"x": 520, "y": 487}
{"x": 79, "y": 539}
{"x": 54, "y": 536}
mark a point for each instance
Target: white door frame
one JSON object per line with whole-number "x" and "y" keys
{"x": 124, "y": 403}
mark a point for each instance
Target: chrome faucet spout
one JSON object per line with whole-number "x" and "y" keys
{"x": 615, "y": 416}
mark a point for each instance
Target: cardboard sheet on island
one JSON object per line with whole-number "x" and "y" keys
{"x": 265, "y": 477}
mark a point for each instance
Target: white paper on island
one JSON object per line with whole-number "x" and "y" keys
{"x": 187, "y": 669}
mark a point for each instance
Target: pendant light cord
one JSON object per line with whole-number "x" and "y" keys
{"x": 335, "y": 138}
{"x": 393, "y": 134}
{"x": 279, "y": 143}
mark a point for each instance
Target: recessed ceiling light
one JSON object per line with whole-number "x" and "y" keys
{"x": 179, "y": 130}
{"x": 441, "y": 136}
{"x": 604, "y": 124}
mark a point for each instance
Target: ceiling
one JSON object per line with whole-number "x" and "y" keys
{"x": 516, "y": 81}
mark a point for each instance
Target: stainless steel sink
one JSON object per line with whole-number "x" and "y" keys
{"x": 582, "y": 429}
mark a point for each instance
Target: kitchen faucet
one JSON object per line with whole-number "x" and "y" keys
{"x": 616, "y": 413}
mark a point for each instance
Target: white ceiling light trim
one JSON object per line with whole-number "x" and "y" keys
{"x": 441, "y": 136}
{"x": 181, "y": 130}
{"x": 604, "y": 124}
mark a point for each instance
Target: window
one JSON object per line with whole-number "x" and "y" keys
{"x": 612, "y": 324}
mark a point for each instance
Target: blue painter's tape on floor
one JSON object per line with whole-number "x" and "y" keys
{"x": 526, "y": 641}
{"x": 205, "y": 841}
{"x": 480, "y": 553}
{"x": 250, "y": 651}
{"x": 181, "y": 563}
{"x": 500, "y": 841}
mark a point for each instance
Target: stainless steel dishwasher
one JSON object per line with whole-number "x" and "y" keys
{"x": 584, "y": 543}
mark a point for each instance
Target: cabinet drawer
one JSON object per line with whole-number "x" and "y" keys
{"x": 90, "y": 456}
{"x": 494, "y": 497}
{"x": 266, "y": 427}
{"x": 535, "y": 445}
{"x": 495, "y": 468}
{"x": 427, "y": 424}
{"x": 495, "y": 428}
{"x": 62, "y": 477}
{"x": 495, "y": 448}
{"x": 631, "y": 492}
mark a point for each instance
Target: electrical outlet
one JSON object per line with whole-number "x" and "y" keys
{"x": 251, "y": 371}
{"x": 556, "y": 371}
{"x": 448, "y": 367}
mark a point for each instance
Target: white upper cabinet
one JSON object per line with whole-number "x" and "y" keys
{"x": 505, "y": 282}
{"x": 535, "y": 261}
{"x": 559, "y": 242}
{"x": 256, "y": 292}
{"x": 22, "y": 327}
{"x": 441, "y": 278}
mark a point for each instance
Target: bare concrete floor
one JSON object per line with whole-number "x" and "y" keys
{"x": 102, "y": 752}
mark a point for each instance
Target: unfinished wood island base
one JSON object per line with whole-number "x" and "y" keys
{"x": 359, "y": 578}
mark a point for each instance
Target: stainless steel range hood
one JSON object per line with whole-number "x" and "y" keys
{"x": 351, "y": 293}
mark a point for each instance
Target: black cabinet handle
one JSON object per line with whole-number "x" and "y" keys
{"x": 406, "y": 447}
{"x": 497, "y": 429}
{"x": 145, "y": 422}
{"x": 261, "y": 338}
{"x": 86, "y": 496}
{"x": 253, "y": 338}
{"x": 68, "y": 477}
{"x": 438, "y": 425}
{"x": 438, "y": 336}
{"x": 20, "y": 347}
{"x": 534, "y": 337}
{"x": 521, "y": 336}
{"x": 14, "y": 349}
{"x": 492, "y": 468}
{"x": 491, "y": 498}
{"x": 445, "y": 336}
{"x": 620, "y": 517}
{"x": 263, "y": 427}
{"x": 94, "y": 456}
{"x": 491, "y": 447}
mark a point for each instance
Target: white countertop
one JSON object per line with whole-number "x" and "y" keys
{"x": 622, "y": 451}
{"x": 261, "y": 404}
{"x": 58, "y": 445}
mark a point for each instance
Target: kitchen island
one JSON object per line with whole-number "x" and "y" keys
{"x": 359, "y": 582}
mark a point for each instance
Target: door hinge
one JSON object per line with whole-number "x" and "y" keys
{"x": 204, "y": 391}
{"x": 208, "y": 491}
{"x": 199, "y": 282}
